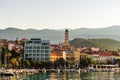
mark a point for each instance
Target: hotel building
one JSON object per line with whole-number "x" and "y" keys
{"x": 37, "y": 49}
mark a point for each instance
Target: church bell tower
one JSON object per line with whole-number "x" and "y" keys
{"x": 66, "y": 42}
{"x": 66, "y": 37}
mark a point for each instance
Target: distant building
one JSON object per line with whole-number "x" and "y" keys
{"x": 66, "y": 45}
{"x": 4, "y": 42}
{"x": 54, "y": 56}
{"x": 95, "y": 49}
{"x": 23, "y": 40}
{"x": 37, "y": 49}
{"x": 55, "y": 48}
{"x": 11, "y": 46}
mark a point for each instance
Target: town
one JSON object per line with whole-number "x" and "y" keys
{"x": 59, "y": 39}
{"x": 36, "y": 53}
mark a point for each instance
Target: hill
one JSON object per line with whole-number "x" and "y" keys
{"x": 108, "y": 44}
{"x": 57, "y": 36}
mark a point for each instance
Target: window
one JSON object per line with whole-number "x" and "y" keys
{"x": 30, "y": 51}
{"x": 27, "y": 42}
{"x": 38, "y": 51}
{"x": 42, "y": 58}
{"x": 47, "y": 47}
{"x": 34, "y": 47}
{"x": 30, "y": 47}
{"x": 42, "y": 54}
{"x": 38, "y": 55}
{"x": 42, "y": 47}
{"x": 34, "y": 51}
{"x": 26, "y": 47}
{"x": 34, "y": 58}
{"x": 30, "y": 54}
{"x": 38, "y": 47}
{"x": 42, "y": 51}
{"x": 48, "y": 43}
{"x": 46, "y": 51}
{"x": 46, "y": 55}
{"x": 26, "y": 55}
{"x": 34, "y": 55}
{"x": 26, "y": 51}
{"x": 46, "y": 58}
{"x": 43, "y": 44}
{"x": 37, "y": 42}
{"x": 37, "y": 58}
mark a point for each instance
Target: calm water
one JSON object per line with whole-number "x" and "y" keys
{"x": 68, "y": 76}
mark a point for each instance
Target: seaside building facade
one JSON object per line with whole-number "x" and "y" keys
{"x": 37, "y": 49}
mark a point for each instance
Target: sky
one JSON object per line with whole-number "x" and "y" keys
{"x": 59, "y": 14}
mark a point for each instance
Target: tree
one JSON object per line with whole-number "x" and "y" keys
{"x": 14, "y": 53}
{"x": 59, "y": 62}
{"x": 85, "y": 62}
{"x": 47, "y": 64}
{"x": 19, "y": 61}
{"x": 38, "y": 63}
{"x": 14, "y": 62}
{"x": 26, "y": 63}
{"x": 117, "y": 61}
{"x": 109, "y": 62}
{"x": 8, "y": 55}
{"x": 3, "y": 56}
{"x": 17, "y": 40}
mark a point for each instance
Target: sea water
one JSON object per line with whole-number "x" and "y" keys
{"x": 67, "y": 76}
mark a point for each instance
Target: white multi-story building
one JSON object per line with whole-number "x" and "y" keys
{"x": 37, "y": 49}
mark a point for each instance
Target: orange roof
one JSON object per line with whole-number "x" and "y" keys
{"x": 55, "y": 54}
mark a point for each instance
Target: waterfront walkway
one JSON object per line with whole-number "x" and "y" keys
{"x": 32, "y": 71}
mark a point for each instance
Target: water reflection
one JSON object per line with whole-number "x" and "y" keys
{"x": 67, "y": 76}
{"x": 75, "y": 76}
{"x": 8, "y": 78}
{"x": 54, "y": 76}
{"x": 100, "y": 76}
{"x": 15, "y": 77}
{"x": 41, "y": 76}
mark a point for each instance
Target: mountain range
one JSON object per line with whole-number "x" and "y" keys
{"x": 57, "y": 36}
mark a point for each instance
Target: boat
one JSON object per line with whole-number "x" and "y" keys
{"x": 6, "y": 72}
